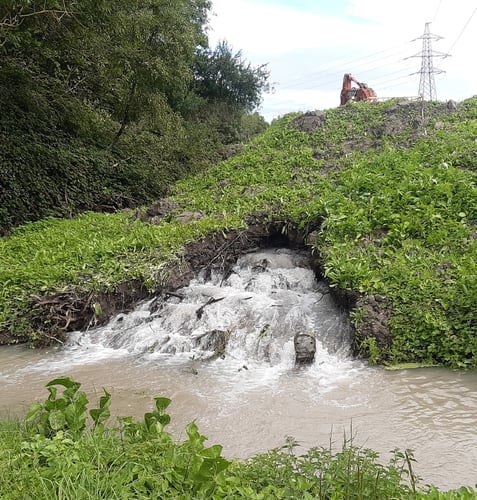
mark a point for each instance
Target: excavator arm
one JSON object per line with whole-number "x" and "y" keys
{"x": 360, "y": 93}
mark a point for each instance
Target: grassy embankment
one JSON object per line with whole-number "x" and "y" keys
{"x": 60, "y": 452}
{"x": 398, "y": 215}
{"x": 396, "y": 221}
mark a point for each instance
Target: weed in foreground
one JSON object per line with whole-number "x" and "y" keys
{"x": 62, "y": 450}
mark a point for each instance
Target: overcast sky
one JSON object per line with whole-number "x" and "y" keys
{"x": 310, "y": 44}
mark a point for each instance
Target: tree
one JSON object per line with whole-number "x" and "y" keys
{"x": 226, "y": 88}
{"x": 221, "y": 75}
{"x": 156, "y": 56}
{"x": 71, "y": 86}
{"x": 252, "y": 124}
{"x": 117, "y": 55}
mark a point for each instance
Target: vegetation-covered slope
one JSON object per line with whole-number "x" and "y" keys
{"x": 385, "y": 198}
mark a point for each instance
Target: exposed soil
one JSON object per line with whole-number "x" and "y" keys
{"x": 406, "y": 121}
{"x": 58, "y": 314}
{"x": 401, "y": 116}
{"x": 377, "y": 311}
{"x": 310, "y": 121}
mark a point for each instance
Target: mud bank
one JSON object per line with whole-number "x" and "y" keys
{"x": 71, "y": 310}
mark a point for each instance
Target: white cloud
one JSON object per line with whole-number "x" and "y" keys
{"x": 308, "y": 52}
{"x": 263, "y": 29}
{"x": 278, "y": 104}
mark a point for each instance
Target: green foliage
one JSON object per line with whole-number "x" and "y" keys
{"x": 370, "y": 350}
{"x": 61, "y": 115}
{"x": 95, "y": 101}
{"x": 56, "y": 455}
{"x": 66, "y": 413}
{"x": 252, "y": 124}
{"x": 350, "y": 473}
{"x": 397, "y": 219}
{"x": 225, "y": 89}
{"x": 220, "y": 75}
{"x": 59, "y": 457}
{"x": 402, "y": 230}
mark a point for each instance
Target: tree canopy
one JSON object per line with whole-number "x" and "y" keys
{"x": 127, "y": 83}
{"x": 221, "y": 75}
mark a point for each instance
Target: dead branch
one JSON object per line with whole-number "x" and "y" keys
{"x": 59, "y": 13}
{"x": 54, "y": 338}
{"x": 200, "y": 311}
{"x": 12, "y": 20}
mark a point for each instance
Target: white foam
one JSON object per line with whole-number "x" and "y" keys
{"x": 264, "y": 302}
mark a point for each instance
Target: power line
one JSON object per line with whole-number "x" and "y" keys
{"x": 338, "y": 65}
{"x": 399, "y": 83}
{"x": 400, "y": 74}
{"x": 437, "y": 11}
{"x": 380, "y": 67}
{"x": 331, "y": 76}
{"x": 463, "y": 29}
{"x": 396, "y": 82}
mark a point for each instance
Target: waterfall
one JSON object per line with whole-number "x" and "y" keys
{"x": 223, "y": 350}
{"x": 248, "y": 316}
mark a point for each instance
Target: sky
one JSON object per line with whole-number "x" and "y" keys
{"x": 309, "y": 44}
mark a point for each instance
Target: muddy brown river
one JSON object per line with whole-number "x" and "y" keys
{"x": 254, "y": 396}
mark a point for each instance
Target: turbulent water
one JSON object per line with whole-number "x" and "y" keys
{"x": 222, "y": 349}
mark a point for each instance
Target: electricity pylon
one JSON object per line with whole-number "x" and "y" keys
{"x": 427, "y": 84}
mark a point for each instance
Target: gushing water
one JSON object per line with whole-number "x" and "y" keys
{"x": 222, "y": 350}
{"x": 247, "y": 319}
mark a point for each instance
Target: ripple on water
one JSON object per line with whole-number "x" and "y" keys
{"x": 253, "y": 398}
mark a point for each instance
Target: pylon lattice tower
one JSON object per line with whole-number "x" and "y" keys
{"x": 427, "y": 84}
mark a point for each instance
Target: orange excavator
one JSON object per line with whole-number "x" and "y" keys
{"x": 360, "y": 93}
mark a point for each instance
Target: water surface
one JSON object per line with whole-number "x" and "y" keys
{"x": 252, "y": 398}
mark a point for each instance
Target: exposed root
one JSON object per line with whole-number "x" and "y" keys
{"x": 63, "y": 309}
{"x": 59, "y": 313}
{"x": 56, "y": 314}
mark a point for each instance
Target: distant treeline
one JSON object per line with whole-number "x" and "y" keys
{"x": 104, "y": 104}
